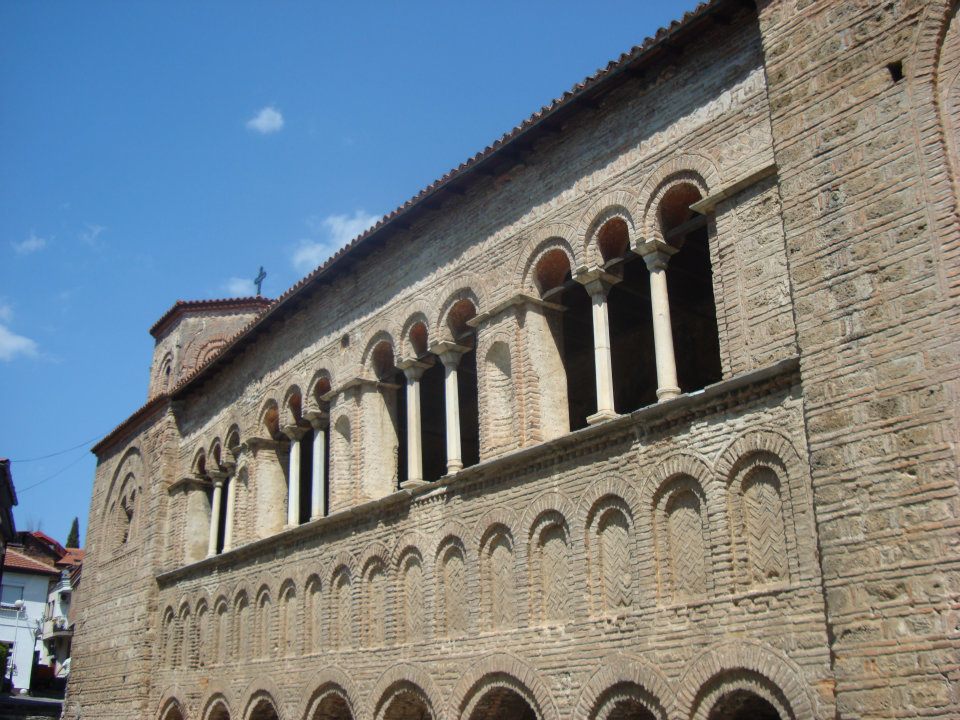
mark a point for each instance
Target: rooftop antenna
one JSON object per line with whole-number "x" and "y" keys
{"x": 261, "y": 276}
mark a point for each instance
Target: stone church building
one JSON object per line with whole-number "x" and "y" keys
{"x": 649, "y": 410}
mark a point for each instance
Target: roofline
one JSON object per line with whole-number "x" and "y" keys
{"x": 182, "y": 306}
{"x": 142, "y": 414}
{"x": 515, "y": 142}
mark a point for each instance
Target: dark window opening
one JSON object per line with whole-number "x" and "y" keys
{"x": 433, "y": 426}
{"x": 305, "y": 487}
{"x": 469, "y": 407}
{"x": 743, "y": 705}
{"x": 578, "y": 354}
{"x": 896, "y": 70}
{"x": 693, "y": 311}
{"x": 632, "y": 353}
{"x": 222, "y": 524}
{"x": 399, "y": 399}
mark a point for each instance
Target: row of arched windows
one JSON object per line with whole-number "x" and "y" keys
{"x": 495, "y": 580}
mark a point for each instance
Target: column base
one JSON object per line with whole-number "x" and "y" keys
{"x": 602, "y": 416}
{"x": 316, "y": 517}
{"x": 667, "y": 393}
{"x": 454, "y": 469}
{"x": 412, "y": 484}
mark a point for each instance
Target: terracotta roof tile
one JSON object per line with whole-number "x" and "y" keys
{"x": 18, "y": 562}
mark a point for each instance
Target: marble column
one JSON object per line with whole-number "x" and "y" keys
{"x": 449, "y": 354}
{"x": 295, "y": 433}
{"x": 657, "y": 254}
{"x": 318, "y": 480}
{"x": 218, "y": 479}
{"x": 598, "y": 283}
{"x": 413, "y": 370}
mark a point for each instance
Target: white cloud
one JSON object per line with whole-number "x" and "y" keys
{"x": 239, "y": 287}
{"x": 336, "y": 231}
{"x": 268, "y": 120}
{"x": 32, "y": 244}
{"x": 91, "y": 235}
{"x": 11, "y": 344}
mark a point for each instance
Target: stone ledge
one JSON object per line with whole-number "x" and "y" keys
{"x": 640, "y": 423}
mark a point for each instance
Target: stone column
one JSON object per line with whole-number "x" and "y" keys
{"x": 657, "y": 254}
{"x": 231, "y": 467}
{"x": 449, "y": 354}
{"x": 413, "y": 370}
{"x": 217, "y": 477}
{"x": 598, "y": 283}
{"x": 295, "y": 433}
{"x": 318, "y": 480}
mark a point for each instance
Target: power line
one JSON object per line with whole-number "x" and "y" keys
{"x": 60, "y": 452}
{"x": 50, "y": 477}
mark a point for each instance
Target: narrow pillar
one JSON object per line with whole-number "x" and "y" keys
{"x": 295, "y": 433}
{"x": 449, "y": 354}
{"x": 318, "y": 480}
{"x": 413, "y": 370}
{"x": 657, "y": 254}
{"x": 598, "y": 283}
{"x": 231, "y": 510}
{"x": 217, "y": 478}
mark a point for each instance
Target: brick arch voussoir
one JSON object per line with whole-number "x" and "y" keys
{"x": 614, "y": 204}
{"x": 548, "y": 502}
{"x": 397, "y": 677}
{"x": 452, "y": 530}
{"x": 342, "y": 559}
{"x": 376, "y": 552}
{"x": 202, "y": 601}
{"x": 407, "y": 543}
{"x": 751, "y": 442}
{"x": 378, "y": 336}
{"x": 600, "y": 489}
{"x": 217, "y": 692}
{"x": 415, "y": 311}
{"x": 324, "y": 682}
{"x": 131, "y": 463}
{"x": 683, "y": 464}
{"x": 698, "y": 168}
{"x": 623, "y": 669}
{"x": 173, "y": 695}
{"x": 754, "y": 657}
{"x": 465, "y": 286}
{"x": 557, "y": 235}
{"x": 263, "y": 687}
{"x": 473, "y": 683}
{"x": 498, "y": 515}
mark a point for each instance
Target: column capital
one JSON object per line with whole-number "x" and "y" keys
{"x": 656, "y": 254}
{"x": 412, "y": 368}
{"x": 449, "y": 352}
{"x": 217, "y": 477}
{"x": 596, "y": 280}
{"x": 294, "y": 432}
{"x": 319, "y": 419}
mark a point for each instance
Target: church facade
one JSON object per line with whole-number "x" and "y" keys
{"x": 648, "y": 410}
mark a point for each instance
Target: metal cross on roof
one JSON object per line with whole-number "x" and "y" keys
{"x": 261, "y": 276}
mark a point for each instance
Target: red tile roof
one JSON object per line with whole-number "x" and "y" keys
{"x": 182, "y": 306}
{"x": 72, "y": 556}
{"x": 515, "y": 140}
{"x": 18, "y": 562}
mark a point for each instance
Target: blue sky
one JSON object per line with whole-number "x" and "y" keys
{"x": 165, "y": 150}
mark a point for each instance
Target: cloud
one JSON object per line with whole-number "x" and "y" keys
{"x": 11, "y": 344}
{"x": 268, "y": 120}
{"x": 335, "y": 231}
{"x": 91, "y": 235}
{"x": 31, "y": 245}
{"x": 239, "y": 287}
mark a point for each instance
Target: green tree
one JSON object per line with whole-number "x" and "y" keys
{"x": 73, "y": 538}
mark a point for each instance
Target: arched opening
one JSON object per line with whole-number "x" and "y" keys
{"x": 572, "y": 333}
{"x": 628, "y": 701}
{"x": 502, "y": 703}
{"x": 264, "y": 710}
{"x": 406, "y": 704}
{"x": 173, "y": 711}
{"x": 219, "y": 711}
{"x": 394, "y": 401}
{"x": 693, "y": 310}
{"x": 332, "y": 706}
{"x": 743, "y": 705}
{"x": 632, "y": 355}
{"x": 304, "y": 479}
{"x": 463, "y": 334}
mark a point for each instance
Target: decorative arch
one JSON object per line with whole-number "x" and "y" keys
{"x": 292, "y": 413}
{"x": 320, "y": 384}
{"x": 697, "y": 169}
{"x": 453, "y": 560}
{"x": 404, "y": 683}
{"x": 171, "y": 707}
{"x": 624, "y": 681}
{"x": 744, "y": 665}
{"x": 500, "y": 599}
{"x": 269, "y": 419}
{"x": 261, "y": 701}
{"x": 313, "y": 588}
{"x": 556, "y": 235}
{"x": 375, "y": 584}
{"x": 218, "y": 703}
{"x": 468, "y": 287}
{"x": 614, "y": 204}
{"x": 379, "y": 337}
{"x": 500, "y": 671}
{"x": 334, "y": 694}
{"x": 120, "y": 512}
{"x": 418, "y": 312}
{"x": 341, "y": 625}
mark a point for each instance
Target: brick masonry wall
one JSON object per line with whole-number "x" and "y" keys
{"x": 870, "y": 218}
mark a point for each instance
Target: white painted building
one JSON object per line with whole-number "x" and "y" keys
{"x": 23, "y": 599}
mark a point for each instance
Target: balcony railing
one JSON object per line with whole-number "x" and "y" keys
{"x": 56, "y": 627}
